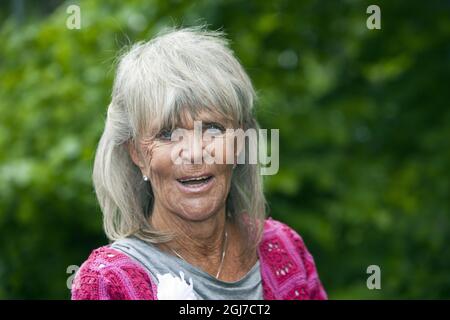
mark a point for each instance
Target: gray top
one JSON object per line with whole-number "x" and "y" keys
{"x": 206, "y": 287}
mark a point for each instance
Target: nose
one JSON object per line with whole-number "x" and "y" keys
{"x": 192, "y": 148}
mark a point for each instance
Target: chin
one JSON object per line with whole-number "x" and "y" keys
{"x": 197, "y": 213}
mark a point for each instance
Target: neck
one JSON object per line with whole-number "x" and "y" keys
{"x": 198, "y": 242}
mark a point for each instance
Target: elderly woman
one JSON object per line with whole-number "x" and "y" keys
{"x": 180, "y": 227}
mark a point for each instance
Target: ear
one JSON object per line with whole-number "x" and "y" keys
{"x": 134, "y": 155}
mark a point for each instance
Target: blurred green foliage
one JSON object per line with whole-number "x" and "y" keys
{"x": 364, "y": 129}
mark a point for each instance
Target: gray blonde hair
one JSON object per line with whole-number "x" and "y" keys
{"x": 192, "y": 70}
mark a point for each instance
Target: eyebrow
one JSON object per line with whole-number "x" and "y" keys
{"x": 206, "y": 119}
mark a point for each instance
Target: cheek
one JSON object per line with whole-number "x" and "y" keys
{"x": 223, "y": 179}
{"x": 222, "y": 150}
{"x": 160, "y": 167}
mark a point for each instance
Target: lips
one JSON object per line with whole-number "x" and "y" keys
{"x": 196, "y": 183}
{"x": 195, "y": 180}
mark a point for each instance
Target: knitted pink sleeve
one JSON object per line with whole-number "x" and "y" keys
{"x": 315, "y": 288}
{"x": 288, "y": 269}
{"x": 110, "y": 275}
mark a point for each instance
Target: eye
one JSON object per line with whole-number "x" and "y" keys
{"x": 164, "y": 134}
{"x": 213, "y": 129}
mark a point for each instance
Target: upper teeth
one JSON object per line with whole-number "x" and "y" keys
{"x": 194, "y": 179}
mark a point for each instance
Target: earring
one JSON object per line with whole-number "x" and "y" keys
{"x": 145, "y": 178}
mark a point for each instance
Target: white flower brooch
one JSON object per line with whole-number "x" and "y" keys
{"x": 174, "y": 288}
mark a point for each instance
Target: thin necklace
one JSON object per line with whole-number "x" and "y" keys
{"x": 225, "y": 246}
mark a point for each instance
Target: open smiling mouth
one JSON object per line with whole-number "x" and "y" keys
{"x": 195, "y": 181}
{"x": 196, "y": 184}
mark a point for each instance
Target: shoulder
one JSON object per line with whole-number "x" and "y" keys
{"x": 109, "y": 274}
{"x": 288, "y": 259}
{"x": 274, "y": 229}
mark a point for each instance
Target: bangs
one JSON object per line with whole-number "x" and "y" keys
{"x": 173, "y": 79}
{"x": 179, "y": 100}
{"x": 187, "y": 106}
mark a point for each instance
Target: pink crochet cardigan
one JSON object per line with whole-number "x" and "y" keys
{"x": 287, "y": 270}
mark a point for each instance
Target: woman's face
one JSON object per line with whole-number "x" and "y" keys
{"x": 193, "y": 191}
